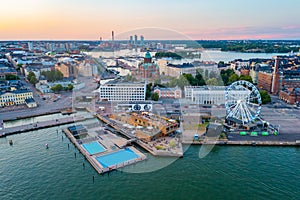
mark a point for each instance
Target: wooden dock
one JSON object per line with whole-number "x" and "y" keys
{"x": 38, "y": 125}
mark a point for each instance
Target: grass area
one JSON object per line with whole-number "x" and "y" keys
{"x": 158, "y": 147}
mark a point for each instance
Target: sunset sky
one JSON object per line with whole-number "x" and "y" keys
{"x": 155, "y": 19}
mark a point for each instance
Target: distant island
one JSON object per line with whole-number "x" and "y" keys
{"x": 252, "y": 46}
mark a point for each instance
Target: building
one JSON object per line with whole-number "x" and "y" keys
{"x": 131, "y": 40}
{"x": 85, "y": 68}
{"x": 67, "y": 69}
{"x": 30, "y": 46}
{"x": 245, "y": 72}
{"x": 135, "y": 39}
{"x": 30, "y": 102}
{"x": 15, "y": 97}
{"x": 270, "y": 80}
{"x": 142, "y": 40}
{"x": 264, "y": 81}
{"x": 148, "y": 126}
{"x": 123, "y": 91}
{"x": 291, "y": 96}
{"x": 175, "y": 70}
{"x": 147, "y": 69}
{"x": 174, "y": 93}
{"x": 209, "y": 94}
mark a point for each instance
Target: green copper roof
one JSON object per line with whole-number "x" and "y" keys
{"x": 148, "y": 55}
{"x": 147, "y": 65}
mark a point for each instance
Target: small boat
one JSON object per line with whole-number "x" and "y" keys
{"x": 10, "y": 142}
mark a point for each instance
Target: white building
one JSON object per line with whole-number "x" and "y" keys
{"x": 209, "y": 94}
{"x": 123, "y": 91}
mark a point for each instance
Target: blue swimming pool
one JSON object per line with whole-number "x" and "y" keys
{"x": 93, "y": 147}
{"x": 115, "y": 158}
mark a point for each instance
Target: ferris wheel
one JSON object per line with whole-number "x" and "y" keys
{"x": 243, "y": 102}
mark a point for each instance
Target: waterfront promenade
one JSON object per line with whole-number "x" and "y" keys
{"x": 39, "y": 125}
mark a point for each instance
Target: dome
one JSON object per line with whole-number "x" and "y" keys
{"x": 148, "y": 55}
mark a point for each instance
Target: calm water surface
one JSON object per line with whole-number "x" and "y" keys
{"x": 29, "y": 171}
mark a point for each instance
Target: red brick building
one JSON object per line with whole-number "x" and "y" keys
{"x": 270, "y": 81}
{"x": 289, "y": 96}
{"x": 147, "y": 69}
{"x": 264, "y": 81}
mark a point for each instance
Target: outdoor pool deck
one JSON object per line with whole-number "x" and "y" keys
{"x": 102, "y": 150}
{"x": 166, "y": 149}
{"x": 93, "y": 148}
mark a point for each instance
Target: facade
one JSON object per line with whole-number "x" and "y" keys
{"x": 254, "y": 75}
{"x": 121, "y": 91}
{"x": 15, "y": 97}
{"x": 290, "y": 97}
{"x": 6, "y": 69}
{"x": 185, "y": 68}
{"x": 209, "y": 94}
{"x": 66, "y": 69}
{"x": 264, "y": 81}
{"x": 270, "y": 81}
{"x": 148, "y": 70}
{"x": 85, "y": 68}
{"x": 174, "y": 93}
{"x": 30, "y": 102}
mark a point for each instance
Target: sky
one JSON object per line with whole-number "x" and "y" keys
{"x": 155, "y": 19}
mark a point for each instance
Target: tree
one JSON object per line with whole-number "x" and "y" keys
{"x": 11, "y": 77}
{"x": 69, "y": 87}
{"x": 212, "y": 81}
{"x": 57, "y": 88}
{"x": 33, "y": 80}
{"x": 51, "y": 76}
{"x": 225, "y": 74}
{"x": 189, "y": 77}
{"x": 199, "y": 78}
{"x": 246, "y": 78}
{"x": 213, "y": 74}
{"x": 155, "y": 97}
{"x": 265, "y": 97}
{"x": 206, "y": 73}
{"x": 183, "y": 81}
{"x": 30, "y": 74}
{"x": 233, "y": 78}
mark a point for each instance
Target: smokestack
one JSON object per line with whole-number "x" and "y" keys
{"x": 275, "y": 77}
{"x": 112, "y": 36}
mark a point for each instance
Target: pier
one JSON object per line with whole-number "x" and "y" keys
{"x": 106, "y": 142}
{"x": 38, "y": 125}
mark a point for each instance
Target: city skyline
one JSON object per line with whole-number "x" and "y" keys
{"x": 90, "y": 20}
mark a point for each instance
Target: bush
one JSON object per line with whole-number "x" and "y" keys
{"x": 158, "y": 147}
